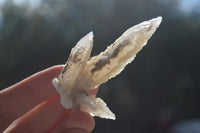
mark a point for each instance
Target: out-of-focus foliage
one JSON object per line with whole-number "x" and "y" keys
{"x": 151, "y": 95}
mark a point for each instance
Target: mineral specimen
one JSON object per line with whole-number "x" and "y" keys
{"x": 82, "y": 73}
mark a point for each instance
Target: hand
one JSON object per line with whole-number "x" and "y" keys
{"x": 33, "y": 105}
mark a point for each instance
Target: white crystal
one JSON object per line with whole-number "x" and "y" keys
{"x": 82, "y": 73}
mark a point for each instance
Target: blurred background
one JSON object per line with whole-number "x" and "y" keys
{"x": 158, "y": 93}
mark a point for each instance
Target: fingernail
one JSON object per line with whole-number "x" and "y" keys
{"x": 77, "y": 130}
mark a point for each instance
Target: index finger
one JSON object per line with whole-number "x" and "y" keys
{"x": 23, "y": 96}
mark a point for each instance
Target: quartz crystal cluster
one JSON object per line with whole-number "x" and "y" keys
{"x": 83, "y": 73}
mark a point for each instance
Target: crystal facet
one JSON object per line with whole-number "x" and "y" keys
{"x": 82, "y": 73}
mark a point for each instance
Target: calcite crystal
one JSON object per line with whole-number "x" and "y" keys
{"x": 82, "y": 73}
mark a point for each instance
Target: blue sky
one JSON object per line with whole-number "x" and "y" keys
{"x": 187, "y": 6}
{"x": 33, "y": 3}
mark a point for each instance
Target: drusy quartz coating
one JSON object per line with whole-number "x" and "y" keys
{"x": 83, "y": 73}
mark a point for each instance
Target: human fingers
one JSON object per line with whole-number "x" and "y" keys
{"x": 94, "y": 91}
{"x": 39, "y": 119}
{"x": 77, "y": 122}
{"x": 20, "y": 98}
{"x": 49, "y": 117}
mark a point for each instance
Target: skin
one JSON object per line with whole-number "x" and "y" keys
{"x": 33, "y": 106}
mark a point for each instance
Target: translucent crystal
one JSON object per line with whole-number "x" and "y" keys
{"x": 82, "y": 73}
